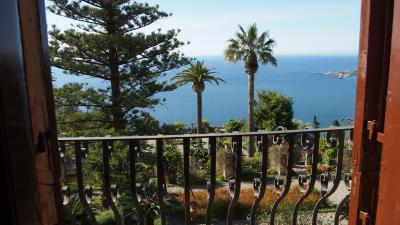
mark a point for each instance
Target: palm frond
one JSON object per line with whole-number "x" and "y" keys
{"x": 247, "y": 42}
{"x": 197, "y": 74}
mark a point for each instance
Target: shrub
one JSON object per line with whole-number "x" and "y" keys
{"x": 246, "y": 200}
{"x": 272, "y": 109}
{"x": 271, "y": 172}
{"x": 174, "y": 128}
{"x": 106, "y": 218}
{"x": 325, "y": 168}
{"x": 284, "y": 212}
{"x": 235, "y": 125}
{"x": 253, "y": 162}
{"x": 251, "y": 167}
{"x": 174, "y": 166}
{"x": 329, "y": 156}
{"x": 248, "y": 174}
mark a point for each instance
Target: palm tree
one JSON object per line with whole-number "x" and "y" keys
{"x": 252, "y": 49}
{"x": 197, "y": 74}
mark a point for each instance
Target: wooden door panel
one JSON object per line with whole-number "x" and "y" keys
{"x": 41, "y": 106}
{"x": 388, "y": 211}
{"x": 373, "y": 65}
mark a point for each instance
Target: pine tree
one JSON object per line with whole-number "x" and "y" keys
{"x": 106, "y": 42}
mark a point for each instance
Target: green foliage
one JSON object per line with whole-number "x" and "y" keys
{"x": 146, "y": 168}
{"x": 250, "y": 47}
{"x": 272, "y": 110}
{"x": 299, "y": 124}
{"x": 74, "y": 212}
{"x": 197, "y": 75}
{"x": 173, "y": 163}
{"x": 253, "y": 162}
{"x": 106, "y": 218}
{"x": 199, "y": 163}
{"x": 80, "y": 112}
{"x": 235, "y": 125}
{"x": 108, "y": 44}
{"x": 207, "y": 127}
{"x": 271, "y": 172}
{"x": 77, "y": 109}
{"x": 173, "y": 128}
{"x": 251, "y": 167}
{"x": 143, "y": 124}
{"x": 329, "y": 156}
{"x": 149, "y": 202}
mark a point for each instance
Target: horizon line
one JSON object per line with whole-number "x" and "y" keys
{"x": 285, "y": 55}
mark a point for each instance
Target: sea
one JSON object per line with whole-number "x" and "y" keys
{"x": 299, "y": 77}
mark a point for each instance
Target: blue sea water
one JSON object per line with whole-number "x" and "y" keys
{"x": 327, "y": 97}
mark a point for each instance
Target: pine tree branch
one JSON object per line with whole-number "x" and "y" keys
{"x": 83, "y": 105}
{"x": 74, "y": 14}
{"x": 84, "y": 121}
{"x": 80, "y": 72}
{"x": 92, "y": 3}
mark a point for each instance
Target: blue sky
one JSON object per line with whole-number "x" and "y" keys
{"x": 299, "y": 27}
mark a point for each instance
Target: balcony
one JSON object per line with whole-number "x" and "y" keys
{"x": 323, "y": 184}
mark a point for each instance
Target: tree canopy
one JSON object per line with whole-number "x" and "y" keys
{"x": 197, "y": 74}
{"x": 235, "y": 125}
{"x": 251, "y": 47}
{"x": 107, "y": 42}
{"x": 272, "y": 110}
{"x": 79, "y": 108}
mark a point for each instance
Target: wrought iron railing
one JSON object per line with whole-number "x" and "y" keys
{"x": 308, "y": 139}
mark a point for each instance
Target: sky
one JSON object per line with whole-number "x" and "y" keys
{"x": 299, "y": 27}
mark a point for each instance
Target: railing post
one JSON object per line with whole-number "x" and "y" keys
{"x": 211, "y": 186}
{"x": 263, "y": 147}
{"x": 310, "y": 185}
{"x": 286, "y": 184}
{"x": 186, "y": 178}
{"x": 160, "y": 179}
{"x": 337, "y": 179}
{"x": 133, "y": 149}
{"x": 79, "y": 180}
{"x": 109, "y": 201}
{"x": 237, "y": 147}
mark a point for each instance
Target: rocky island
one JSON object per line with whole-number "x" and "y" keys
{"x": 341, "y": 74}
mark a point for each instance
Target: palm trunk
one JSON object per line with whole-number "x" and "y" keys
{"x": 250, "y": 84}
{"x": 199, "y": 112}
